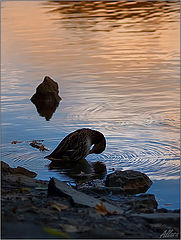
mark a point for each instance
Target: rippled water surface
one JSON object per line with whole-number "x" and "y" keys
{"x": 117, "y": 66}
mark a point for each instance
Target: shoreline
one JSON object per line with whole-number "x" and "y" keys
{"x": 29, "y": 211}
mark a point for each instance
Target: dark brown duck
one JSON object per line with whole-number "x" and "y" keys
{"x": 77, "y": 145}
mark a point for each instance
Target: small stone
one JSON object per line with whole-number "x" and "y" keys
{"x": 99, "y": 167}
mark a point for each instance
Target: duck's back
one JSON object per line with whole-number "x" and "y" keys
{"x": 74, "y": 146}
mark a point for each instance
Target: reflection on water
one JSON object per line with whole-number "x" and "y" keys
{"x": 115, "y": 10}
{"x": 117, "y": 66}
{"x": 45, "y": 108}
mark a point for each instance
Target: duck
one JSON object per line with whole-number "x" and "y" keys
{"x": 78, "y": 144}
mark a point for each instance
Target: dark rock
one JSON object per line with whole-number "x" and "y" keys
{"x": 46, "y": 98}
{"x": 6, "y": 169}
{"x": 143, "y": 203}
{"x": 162, "y": 210}
{"x": 24, "y": 171}
{"x": 132, "y": 182}
{"x": 99, "y": 167}
{"x": 22, "y": 180}
{"x": 176, "y": 211}
{"x": 172, "y": 219}
{"x": 48, "y": 86}
{"x": 102, "y": 190}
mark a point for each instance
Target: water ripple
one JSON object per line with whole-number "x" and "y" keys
{"x": 146, "y": 158}
{"x": 117, "y": 67}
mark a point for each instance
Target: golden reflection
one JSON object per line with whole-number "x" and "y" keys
{"x": 121, "y": 45}
{"x": 138, "y": 30}
{"x": 114, "y": 10}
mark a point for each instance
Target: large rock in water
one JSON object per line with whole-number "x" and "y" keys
{"x": 46, "y": 98}
{"x": 48, "y": 86}
{"x": 132, "y": 182}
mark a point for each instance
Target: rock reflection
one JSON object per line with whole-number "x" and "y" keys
{"x": 114, "y": 9}
{"x": 46, "y": 98}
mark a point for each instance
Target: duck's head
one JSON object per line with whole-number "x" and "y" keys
{"x": 99, "y": 142}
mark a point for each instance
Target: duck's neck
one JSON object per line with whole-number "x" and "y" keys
{"x": 95, "y": 136}
{"x": 99, "y": 142}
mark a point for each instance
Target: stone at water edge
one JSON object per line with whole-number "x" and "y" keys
{"x": 132, "y": 182}
{"x": 6, "y": 169}
{"x": 99, "y": 167}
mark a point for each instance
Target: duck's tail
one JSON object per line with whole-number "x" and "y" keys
{"x": 50, "y": 157}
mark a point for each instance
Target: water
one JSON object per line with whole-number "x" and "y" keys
{"x": 117, "y": 66}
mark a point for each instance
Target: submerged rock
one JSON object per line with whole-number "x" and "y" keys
{"x": 46, "y": 98}
{"x": 130, "y": 181}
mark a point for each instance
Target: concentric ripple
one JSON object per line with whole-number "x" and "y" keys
{"x": 159, "y": 161}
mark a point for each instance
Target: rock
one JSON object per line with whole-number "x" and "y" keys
{"x": 162, "y": 210}
{"x": 60, "y": 188}
{"x": 6, "y": 169}
{"x": 143, "y": 203}
{"x": 19, "y": 179}
{"x": 24, "y": 171}
{"x": 48, "y": 86}
{"x": 172, "y": 219}
{"x": 46, "y": 98}
{"x": 99, "y": 167}
{"x": 130, "y": 181}
{"x": 146, "y": 201}
{"x": 102, "y": 190}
